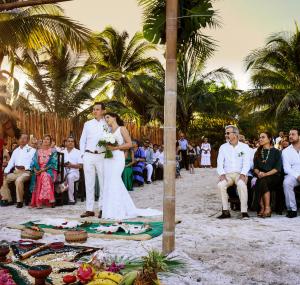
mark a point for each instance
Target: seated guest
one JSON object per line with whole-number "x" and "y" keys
{"x": 233, "y": 165}
{"x": 267, "y": 169}
{"x": 138, "y": 164}
{"x": 159, "y": 163}
{"x": 149, "y": 160}
{"x": 44, "y": 168}
{"x": 73, "y": 162}
{"x": 20, "y": 161}
{"x": 127, "y": 174}
{"x": 284, "y": 143}
{"x": 291, "y": 166}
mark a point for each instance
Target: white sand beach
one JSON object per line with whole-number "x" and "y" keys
{"x": 233, "y": 251}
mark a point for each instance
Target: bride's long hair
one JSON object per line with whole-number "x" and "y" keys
{"x": 119, "y": 121}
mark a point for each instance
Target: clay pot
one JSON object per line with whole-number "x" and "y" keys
{"x": 28, "y": 233}
{"x": 40, "y": 273}
{"x": 4, "y": 250}
{"x": 79, "y": 236}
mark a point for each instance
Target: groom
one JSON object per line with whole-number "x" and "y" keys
{"x": 93, "y": 157}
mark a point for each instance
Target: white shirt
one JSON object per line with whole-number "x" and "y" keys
{"x": 291, "y": 161}
{"x": 92, "y": 132}
{"x": 233, "y": 159}
{"x": 21, "y": 157}
{"x": 74, "y": 157}
{"x": 161, "y": 157}
{"x": 156, "y": 155}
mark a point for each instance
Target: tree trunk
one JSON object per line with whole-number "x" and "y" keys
{"x": 170, "y": 126}
{"x": 20, "y": 4}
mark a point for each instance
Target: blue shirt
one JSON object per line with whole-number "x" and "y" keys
{"x": 183, "y": 143}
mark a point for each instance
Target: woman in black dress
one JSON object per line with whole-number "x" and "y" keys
{"x": 267, "y": 168}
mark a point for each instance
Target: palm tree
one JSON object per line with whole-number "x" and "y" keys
{"x": 58, "y": 81}
{"x": 275, "y": 75}
{"x": 194, "y": 15}
{"x": 197, "y": 93}
{"x": 35, "y": 27}
{"x": 122, "y": 65}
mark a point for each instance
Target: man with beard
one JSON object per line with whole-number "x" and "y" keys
{"x": 291, "y": 165}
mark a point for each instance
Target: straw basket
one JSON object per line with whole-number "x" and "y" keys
{"x": 79, "y": 236}
{"x": 28, "y": 233}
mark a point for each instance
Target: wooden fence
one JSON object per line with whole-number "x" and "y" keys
{"x": 39, "y": 124}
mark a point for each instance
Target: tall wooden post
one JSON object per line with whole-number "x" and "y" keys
{"x": 170, "y": 126}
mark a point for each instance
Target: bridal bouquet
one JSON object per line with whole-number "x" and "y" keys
{"x": 107, "y": 140}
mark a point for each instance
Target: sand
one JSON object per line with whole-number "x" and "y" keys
{"x": 233, "y": 251}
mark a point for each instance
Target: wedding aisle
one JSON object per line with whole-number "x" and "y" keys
{"x": 234, "y": 251}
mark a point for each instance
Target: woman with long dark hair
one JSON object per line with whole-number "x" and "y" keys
{"x": 267, "y": 168}
{"x": 44, "y": 168}
{"x": 117, "y": 203}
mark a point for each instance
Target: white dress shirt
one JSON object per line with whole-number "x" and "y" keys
{"x": 233, "y": 159}
{"x": 161, "y": 157}
{"x": 74, "y": 157}
{"x": 92, "y": 132}
{"x": 21, "y": 157}
{"x": 291, "y": 161}
{"x": 156, "y": 155}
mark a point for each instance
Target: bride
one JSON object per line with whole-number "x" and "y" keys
{"x": 117, "y": 203}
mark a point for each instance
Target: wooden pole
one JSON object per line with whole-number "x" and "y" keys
{"x": 170, "y": 127}
{"x": 20, "y": 4}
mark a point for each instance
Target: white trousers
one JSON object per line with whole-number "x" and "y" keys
{"x": 71, "y": 178}
{"x": 289, "y": 183}
{"x": 149, "y": 168}
{"x": 233, "y": 178}
{"x": 93, "y": 164}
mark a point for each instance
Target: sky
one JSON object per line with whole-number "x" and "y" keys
{"x": 246, "y": 25}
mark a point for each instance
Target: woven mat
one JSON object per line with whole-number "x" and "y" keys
{"x": 155, "y": 231}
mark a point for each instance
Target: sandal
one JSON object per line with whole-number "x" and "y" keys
{"x": 267, "y": 213}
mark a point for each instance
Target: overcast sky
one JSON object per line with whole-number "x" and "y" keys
{"x": 246, "y": 25}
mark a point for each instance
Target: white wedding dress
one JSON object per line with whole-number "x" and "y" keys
{"x": 117, "y": 203}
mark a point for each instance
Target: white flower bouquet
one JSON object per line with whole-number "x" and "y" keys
{"x": 107, "y": 140}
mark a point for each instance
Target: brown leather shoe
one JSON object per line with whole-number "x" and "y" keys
{"x": 87, "y": 214}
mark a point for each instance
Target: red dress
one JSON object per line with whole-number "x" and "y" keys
{"x": 1, "y": 158}
{"x": 43, "y": 193}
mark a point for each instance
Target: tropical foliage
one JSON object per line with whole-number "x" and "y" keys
{"x": 122, "y": 65}
{"x": 58, "y": 81}
{"x": 194, "y": 16}
{"x": 275, "y": 72}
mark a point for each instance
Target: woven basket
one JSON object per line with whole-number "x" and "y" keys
{"x": 79, "y": 236}
{"x": 28, "y": 233}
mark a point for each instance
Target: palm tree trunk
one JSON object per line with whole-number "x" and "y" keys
{"x": 170, "y": 127}
{"x": 19, "y": 4}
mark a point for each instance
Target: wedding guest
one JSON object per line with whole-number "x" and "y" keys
{"x": 278, "y": 139}
{"x": 73, "y": 162}
{"x": 138, "y": 164}
{"x": 127, "y": 174}
{"x": 20, "y": 161}
{"x": 198, "y": 154}
{"x": 291, "y": 165}
{"x": 205, "y": 153}
{"x": 284, "y": 143}
{"x": 44, "y": 168}
{"x": 159, "y": 163}
{"x": 149, "y": 160}
{"x": 233, "y": 165}
{"x": 183, "y": 146}
{"x": 267, "y": 169}
{"x": 33, "y": 142}
{"x": 191, "y": 152}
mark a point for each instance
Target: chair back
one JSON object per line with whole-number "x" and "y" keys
{"x": 60, "y": 166}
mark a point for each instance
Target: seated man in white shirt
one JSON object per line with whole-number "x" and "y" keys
{"x": 73, "y": 162}
{"x": 233, "y": 165}
{"x": 20, "y": 160}
{"x": 291, "y": 165}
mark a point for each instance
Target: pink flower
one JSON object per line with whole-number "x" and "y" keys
{"x": 85, "y": 273}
